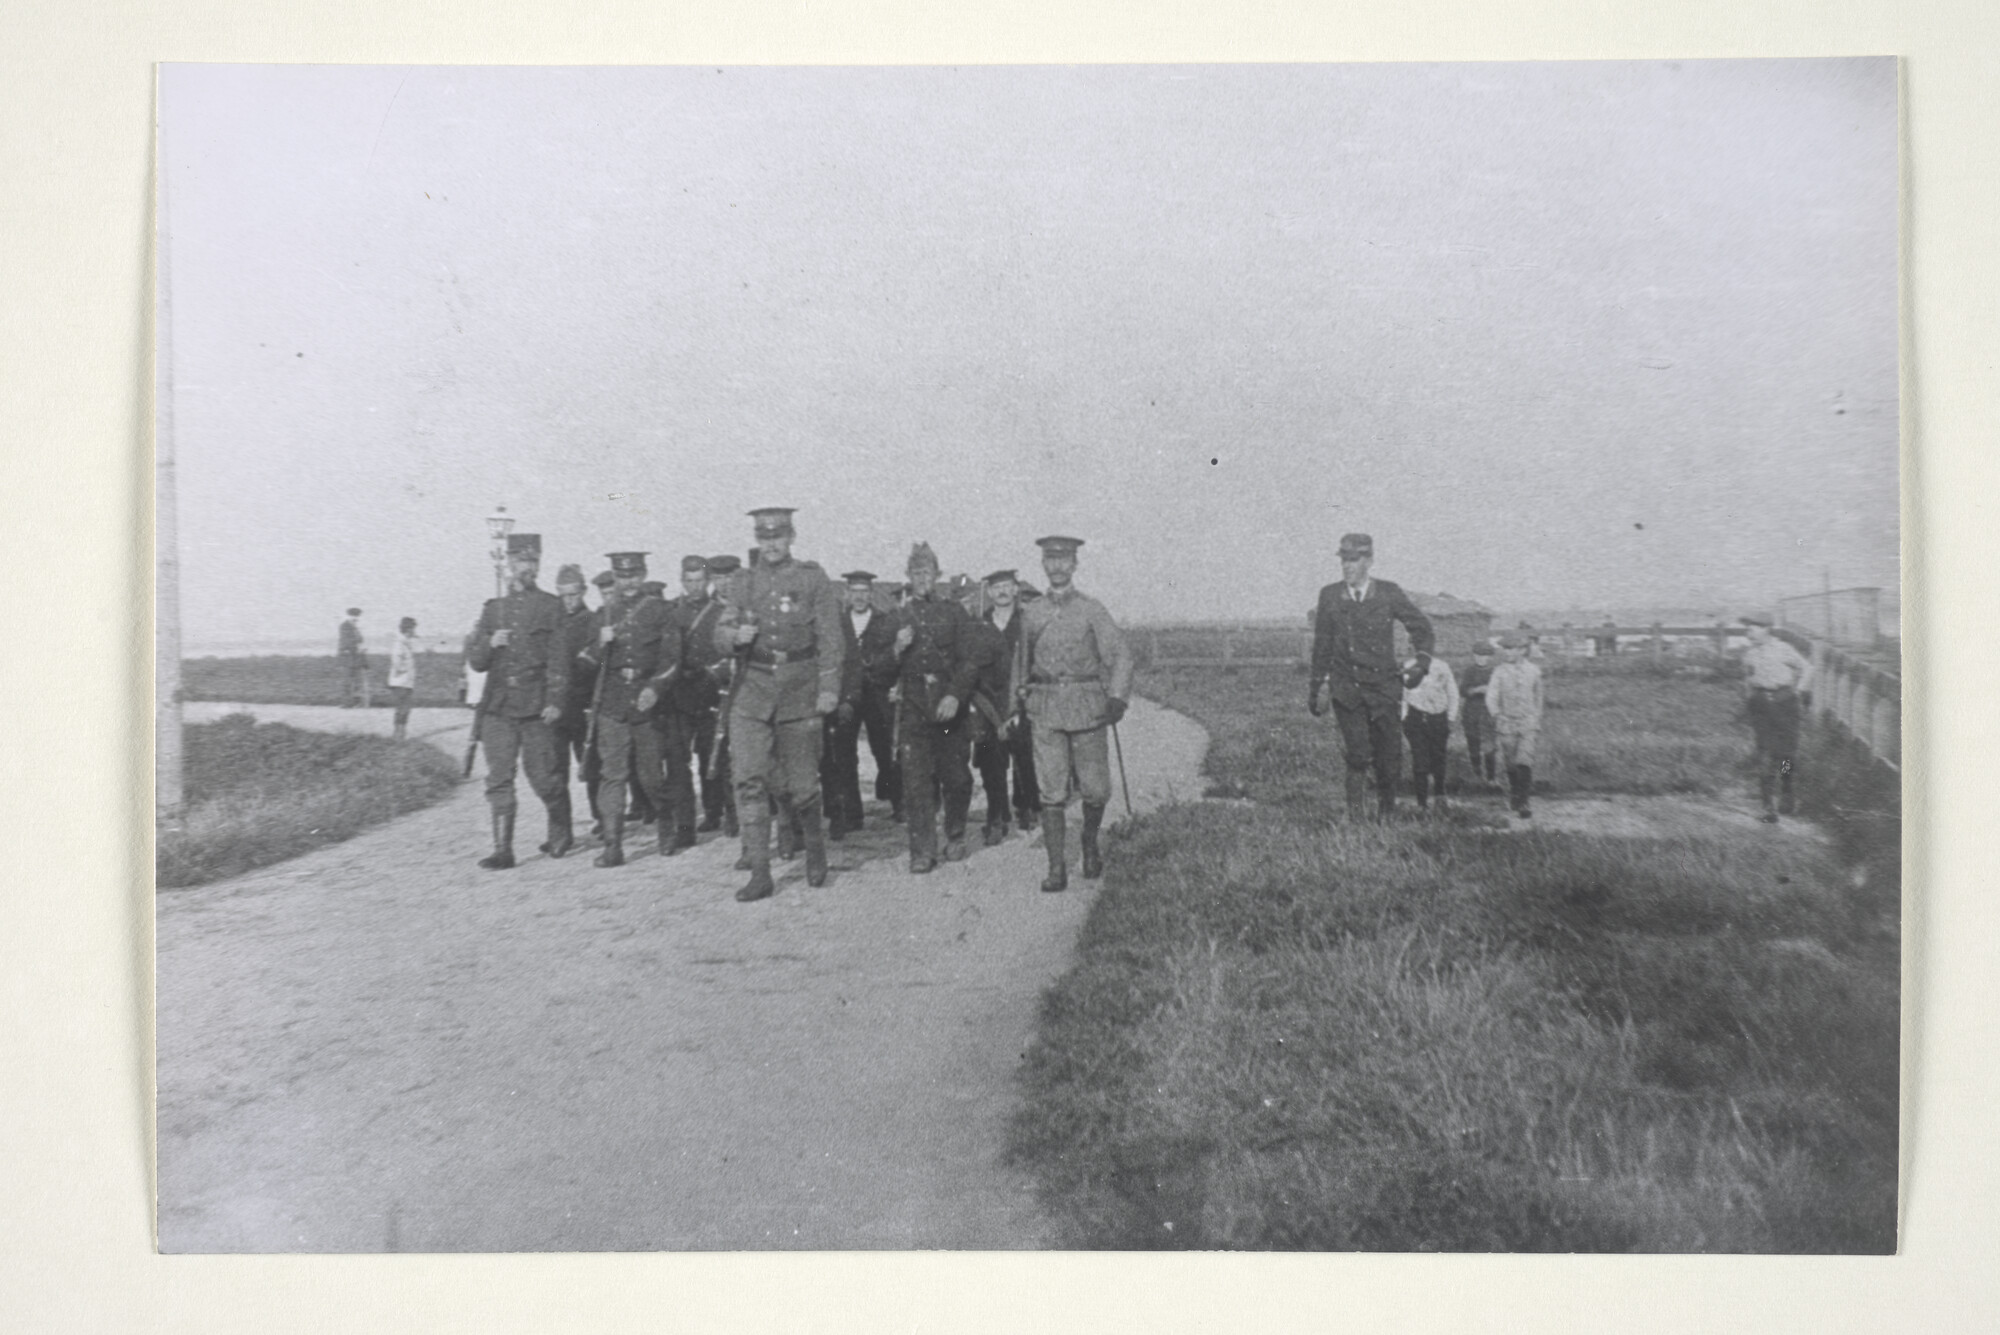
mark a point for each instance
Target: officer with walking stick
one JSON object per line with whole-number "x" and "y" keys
{"x": 1073, "y": 671}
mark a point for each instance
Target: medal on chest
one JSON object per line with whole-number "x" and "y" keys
{"x": 786, "y": 603}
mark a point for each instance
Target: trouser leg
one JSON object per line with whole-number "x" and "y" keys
{"x": 1420, "y": 779}
{"x": 1093, "y": 820}
{"x": 1027, "y": 796}
{"x": 878, "y": 718}
{"x": 917, "y": 772}
{"x": 1356, "y": 753}
{"x": 708, "y": 765}
{"x": 954, "y": 771}
{"x": 1386, "y": 741}
{"x": 677, "y": 757}
{"x": 989, "y": 758}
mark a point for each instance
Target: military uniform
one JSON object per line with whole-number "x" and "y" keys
{"x": 774, "y": 720}
{"x": 643, "y": 651}
{"x": 690, "y": 711}
{"x": 702, "y": 638}
{"x": 935, "y": 757}
{"x": 1354, "y": 659}
{"x": 523, "y": 678}
{"x": 1074, "y": 670}
{"x": 573, "y": 728}
{"x": 840, "y": 760}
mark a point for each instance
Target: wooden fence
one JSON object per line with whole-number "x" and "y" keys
{"x": 1865, "y": 699}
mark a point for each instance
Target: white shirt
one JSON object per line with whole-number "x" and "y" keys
{"x": 1775, "y": 664}
{"x": 403, "y": 662}
{"x": 861, "y": 620}
{"x": 1437, "y": 693}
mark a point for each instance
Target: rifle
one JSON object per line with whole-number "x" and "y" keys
{"x": 479, "y": 710}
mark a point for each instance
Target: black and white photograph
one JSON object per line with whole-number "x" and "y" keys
{"x": 1218, "y": 657}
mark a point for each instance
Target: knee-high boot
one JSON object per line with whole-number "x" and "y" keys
{"x": 502, "y": 856}
{"x": 613, "y": 815}
{"x": 1054, "y": 832}
{"x": 756, "y": 819}
{"x": 814, "y": 831}
{"x": 561, "y": 837}
{"x": 1093, "y": 820}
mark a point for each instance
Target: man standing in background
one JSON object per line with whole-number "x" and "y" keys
{"x": 1354, "y": 663}
{"x": 403, "y": 674}
{"x": 353, "y": 661}
{"x": 573, "y": 728}
{"x": 1777, "y": 682}
{"x": 1073, "y": 668}
{"x": 519, "y": 644}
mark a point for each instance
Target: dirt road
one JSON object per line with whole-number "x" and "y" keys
{"x": 379, "y": 1046}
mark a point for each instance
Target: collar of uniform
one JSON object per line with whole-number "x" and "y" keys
{"x": 1062, "y": 595}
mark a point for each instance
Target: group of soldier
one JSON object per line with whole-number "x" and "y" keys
{"x": 756, "y": 684}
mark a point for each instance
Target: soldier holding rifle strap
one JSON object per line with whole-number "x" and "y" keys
{"x": 519, "y": 644}
{"x": 638, "y": 645}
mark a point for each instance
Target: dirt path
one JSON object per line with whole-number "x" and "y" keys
{"x": 380, "y": 1047}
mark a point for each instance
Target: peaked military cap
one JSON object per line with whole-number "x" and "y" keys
{"x": 859, "y": 577}
{"x": 690, "y": 564}
{"x": 1059, "y": 546}
{"x": 724, "y": 564}
{"x": 652, "y": 588}
{"x": 1356, "y": 544}
{"x": 773, "y": 521}
{"x": 627, "y": 564}
{"x": 1001, "y": 577}
{"x": 524, "y": 544}
{"x": 604, "y": 579}
{"x": 921, "y": 555}
{"x": 569, "y": 577}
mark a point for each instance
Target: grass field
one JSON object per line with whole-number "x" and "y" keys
{"x": 258, "y": 793}
{"x": 293, "y": 680}
{"x": 1284, "y": 1031}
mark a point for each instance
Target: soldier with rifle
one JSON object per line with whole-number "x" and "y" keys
{"x": 519, "y": 644}
{"x": 637, "y": 649}
{"x": 781, "y": 620}
{"x": 1073, "y": 671}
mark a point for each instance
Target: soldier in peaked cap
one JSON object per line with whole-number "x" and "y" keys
{"x": 1001, "y": 738}
{"x": 519, "y": 643}
{"x": 1073, "y": 669}
{"x": 636, "y": 650}
{"x": 781, "y": 621}
{"x": 1354, "y": 663}
{"x": 938, "y": 661}
{"x": 870, "y": 671}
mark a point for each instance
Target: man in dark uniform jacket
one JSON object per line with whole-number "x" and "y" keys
{"x": 1000, "y": 738}
{"x": 715, "y": 739}
{"x": 1354, "y": 663}
{"x": 840, "y": 761}
{"x": 638, "y": 645}
{"x": 573, "y": 728}
{"x": 937, "y": 668}
{"x": 782, "y": 621}
{"x": 689, "y": 701}
{"x": 519, "y": 644}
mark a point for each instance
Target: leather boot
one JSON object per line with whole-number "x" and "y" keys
{"x": 1093, "y": 861}
{"x": 502, "y": 856}
{"x": 993, "y": 832}
{"x": 1518, "y": 780}
{"x": 784, "y": 819}
{"x": 815, "y": 834}
{"x": 1054, "y": 832}
{"x": 1787, "y": 803}
{"x": 614, "y": 838}
{"x": 561, "y": 838}
{"x": 1357, "y": 795}
{"x": 756, "y": 818}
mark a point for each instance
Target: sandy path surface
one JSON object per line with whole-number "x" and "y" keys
{"x": 379, "y": 1046}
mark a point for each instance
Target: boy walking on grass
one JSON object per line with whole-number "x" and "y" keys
{"x": 1430, "y": 708}
{"x": 403, "y": 673}
{"x": 1514, "y": 697}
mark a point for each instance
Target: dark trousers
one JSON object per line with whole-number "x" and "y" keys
{"x": 1774, "y": 720}
{"x": 878, "y": 720}
{"x": 1371, "y": 739}
{"x": 677, "y": 749}
{"x": 993, "y": 756}
{"x": 1429, "y": 735}
{"x": 711, "y": 765}
{"x": 399, "y": 696}
{"x": 355, "y": 675}
{"x": 934, "y": 762}
{"x": 531, "y": 743}
{"x": 1479, "y": 743}
{"x": 840, "y": 771}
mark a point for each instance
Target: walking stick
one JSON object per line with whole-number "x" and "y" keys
{"x": 1123, "y": 785}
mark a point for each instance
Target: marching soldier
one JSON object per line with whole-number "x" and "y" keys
{"x": 781, "y": 622}
{"x": 573, "y": 728}
{"x": 519, "y": 643}
{"x": 715, "y": 739}
{"x": 1002, "y": 740}
{"x": 1354, "y": 662}
{"x": 1074, "y": 672}
{"x": 637, "y": 648}
{"x": 936, "y": 671}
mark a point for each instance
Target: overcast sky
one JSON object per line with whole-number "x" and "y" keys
{"x": 1585, "y": 334}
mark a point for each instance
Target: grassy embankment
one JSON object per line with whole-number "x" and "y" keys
{"x": 1284, "y": 1031}
{"x": 291, "y": 680}
{"x": 257, "y": 793}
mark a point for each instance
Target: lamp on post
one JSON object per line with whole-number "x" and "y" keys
{"x": 498, "y": 525}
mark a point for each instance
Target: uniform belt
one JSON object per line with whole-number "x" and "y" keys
{"x": 773, "y": 657}
{"x": 1063, "y": 678}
